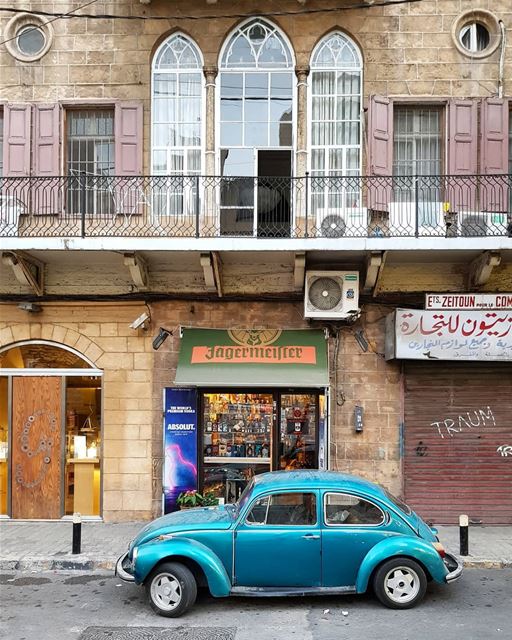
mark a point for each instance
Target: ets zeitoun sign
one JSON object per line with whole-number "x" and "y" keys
{"x": 449, "y": 335}
{"x": 501, "y": 301}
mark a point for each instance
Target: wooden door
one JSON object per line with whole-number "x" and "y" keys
{"x": 36, "y": 447}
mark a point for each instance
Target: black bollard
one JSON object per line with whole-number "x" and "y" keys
{"x": 464, "y": 535}
{"x": 77, "y": 533}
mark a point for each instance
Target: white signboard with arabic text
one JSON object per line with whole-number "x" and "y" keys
{"x": 449, "y": 335}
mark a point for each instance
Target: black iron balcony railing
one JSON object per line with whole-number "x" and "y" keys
{"x": 86, "y": 205}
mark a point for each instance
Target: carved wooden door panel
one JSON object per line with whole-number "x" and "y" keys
{"x": 36, "y": 447}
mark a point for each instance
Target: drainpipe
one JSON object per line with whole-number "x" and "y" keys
{"x": 502, "y": 58}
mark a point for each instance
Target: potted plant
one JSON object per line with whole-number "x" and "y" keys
{"x": 189, "y": 499}
{"x": 192, "y": 498}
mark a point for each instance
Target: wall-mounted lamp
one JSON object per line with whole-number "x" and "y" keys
{"x": 358, "y": 419}
{"x": 31, "y": 307}
{"x": 161, "y": 337}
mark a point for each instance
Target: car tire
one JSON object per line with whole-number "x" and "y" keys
{"x": 171, "y": 589}
{"x": 400, "y": 583}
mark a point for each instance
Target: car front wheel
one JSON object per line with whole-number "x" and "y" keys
{"x": 400, "y": 583}
{"x": 171, "y": 589}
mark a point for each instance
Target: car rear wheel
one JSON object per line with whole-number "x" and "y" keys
{"x": 171, "y": 589}
{"x": 400, "y": 583}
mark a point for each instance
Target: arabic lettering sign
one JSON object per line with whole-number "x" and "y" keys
{"x": 180, "y": 444}
{"x": 501, "y": 301}
{"x": 449, "y": 335}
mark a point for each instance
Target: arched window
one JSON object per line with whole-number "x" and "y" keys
{"x": 256, "y": 132}
{"x": 176, "y": 120}
{"x": 335, "y": 134}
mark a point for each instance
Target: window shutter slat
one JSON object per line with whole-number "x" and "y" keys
{"x": 380, "y": 151}
{"x": 48, "y": 191}
{"x": 462, "y": 154}
{"x": 494, "y": 153}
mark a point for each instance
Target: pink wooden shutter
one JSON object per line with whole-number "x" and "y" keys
{"x": 128, "y": 127}
{"x": 46, "y": 165}
{"x": 16, "y": 159}
{"x": 380, "y": 151}
{"x": 494, "y": 154}
{"x": 17, "y": 140}
{"x": 462, "y": 154}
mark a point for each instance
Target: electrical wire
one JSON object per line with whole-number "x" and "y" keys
{"x": 308, "y": 11}
{"x": 44, "y": 13}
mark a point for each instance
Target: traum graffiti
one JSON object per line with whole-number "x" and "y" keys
{"x": 505, "y": 450}
{"x": 468, "y": 420}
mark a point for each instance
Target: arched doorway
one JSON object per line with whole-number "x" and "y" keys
{"x": 50, "y": 432}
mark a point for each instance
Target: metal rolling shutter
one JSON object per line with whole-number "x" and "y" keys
{"x": 458, "y": 441}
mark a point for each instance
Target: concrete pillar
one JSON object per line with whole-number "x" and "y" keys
{"x": 210, "y": 74}
{"x": 300, "y": 228}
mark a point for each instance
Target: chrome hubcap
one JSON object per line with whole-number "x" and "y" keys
{"x": 402, "y": 584}
{"x": 166, "y": 591}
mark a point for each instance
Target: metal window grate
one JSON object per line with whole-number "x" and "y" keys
{"x": 90, "y": 160}
{"x": 417, "y": 141}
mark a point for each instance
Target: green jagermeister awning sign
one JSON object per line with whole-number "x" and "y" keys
{"x": 246, "y": 357}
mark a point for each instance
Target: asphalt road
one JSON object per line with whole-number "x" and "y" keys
{"x": 58, "y": 606}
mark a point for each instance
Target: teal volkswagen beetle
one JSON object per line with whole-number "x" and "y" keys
{"x": 291, "y": 533}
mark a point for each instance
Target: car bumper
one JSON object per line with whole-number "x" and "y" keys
{"x": 123, "y": 568}
{"x": 454, "y": 566}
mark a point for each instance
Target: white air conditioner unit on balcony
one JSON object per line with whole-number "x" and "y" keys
{"x": 402, "y": 218}
{"x": 331, "y": 295}
{"x": 481, "y": 223}
{"x": 338, "y": 223}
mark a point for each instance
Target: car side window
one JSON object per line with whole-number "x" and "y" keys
{"x": 296, "y": 509}
{"x": 346, "y": 509}
{"x": 258, "y": 514}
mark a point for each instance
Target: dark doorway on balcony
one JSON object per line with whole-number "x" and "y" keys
{"x": 274, "y": 193}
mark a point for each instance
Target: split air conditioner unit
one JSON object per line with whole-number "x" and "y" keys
{"x": 331, "y": 295}
{"x": 338, "y": 223}
{"x": 402, "y": 218}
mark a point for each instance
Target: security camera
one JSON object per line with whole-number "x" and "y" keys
{"x": 140, "y": 321}
{"x": 161, "y": 337}
{"x": 31, "y": 307}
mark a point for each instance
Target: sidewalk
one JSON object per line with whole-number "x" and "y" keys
{"x": 31, "y": 546}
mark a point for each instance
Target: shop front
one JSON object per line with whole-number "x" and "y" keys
{"x": 457, "y": 436}
{"x": 50, "y": 432}
{"x": 261, "y": 403}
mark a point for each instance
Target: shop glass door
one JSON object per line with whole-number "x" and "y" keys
{"x": 298, "y": 431}
{"x": 237, "y": 440}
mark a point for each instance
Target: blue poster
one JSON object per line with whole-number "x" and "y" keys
{"x": 180, "y": 444}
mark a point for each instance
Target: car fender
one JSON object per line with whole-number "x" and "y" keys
{"x": 409, "y": 546}
{"x": 154, "y": 551}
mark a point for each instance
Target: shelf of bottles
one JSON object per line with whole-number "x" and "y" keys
{"x": 237, "y": 440}
{"x": 298, "y": 424}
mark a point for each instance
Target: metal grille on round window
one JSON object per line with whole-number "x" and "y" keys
{"x": 325, "y": 293}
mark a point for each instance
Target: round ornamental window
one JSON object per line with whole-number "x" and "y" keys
{"x": 476, "y": 33}
{"x": 27, "y": 37}
{"x": 30, "y": 40}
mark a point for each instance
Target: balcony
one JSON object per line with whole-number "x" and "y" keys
{"x": 177, "y": 206}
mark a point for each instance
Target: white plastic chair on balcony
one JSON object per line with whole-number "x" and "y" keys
{"x": 10, "y": 210}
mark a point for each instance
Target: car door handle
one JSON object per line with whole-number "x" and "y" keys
{"x": 311, "y": 536}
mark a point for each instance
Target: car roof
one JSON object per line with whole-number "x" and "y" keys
{"x": 315, "y": 479}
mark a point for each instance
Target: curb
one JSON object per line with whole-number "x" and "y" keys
{"x": 69, "y": 563}
{"x": 85, "y": 563}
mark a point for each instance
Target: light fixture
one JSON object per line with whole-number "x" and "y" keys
{"x": 161, "y": 337}
{"x": 31, "y": 307}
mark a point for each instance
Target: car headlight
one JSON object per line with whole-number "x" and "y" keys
{"x": 135, "y": 553}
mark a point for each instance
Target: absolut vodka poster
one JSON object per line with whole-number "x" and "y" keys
{"x": 180, "y": 445}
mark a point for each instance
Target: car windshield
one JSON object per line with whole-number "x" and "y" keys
{"x": 242, "y": 501}
{"x": 398, "y": 502}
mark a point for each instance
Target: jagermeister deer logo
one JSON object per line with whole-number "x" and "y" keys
{"x": 254, "y": 337}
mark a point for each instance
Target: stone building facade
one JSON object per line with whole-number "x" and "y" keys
{"x": 450, "y": 56}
